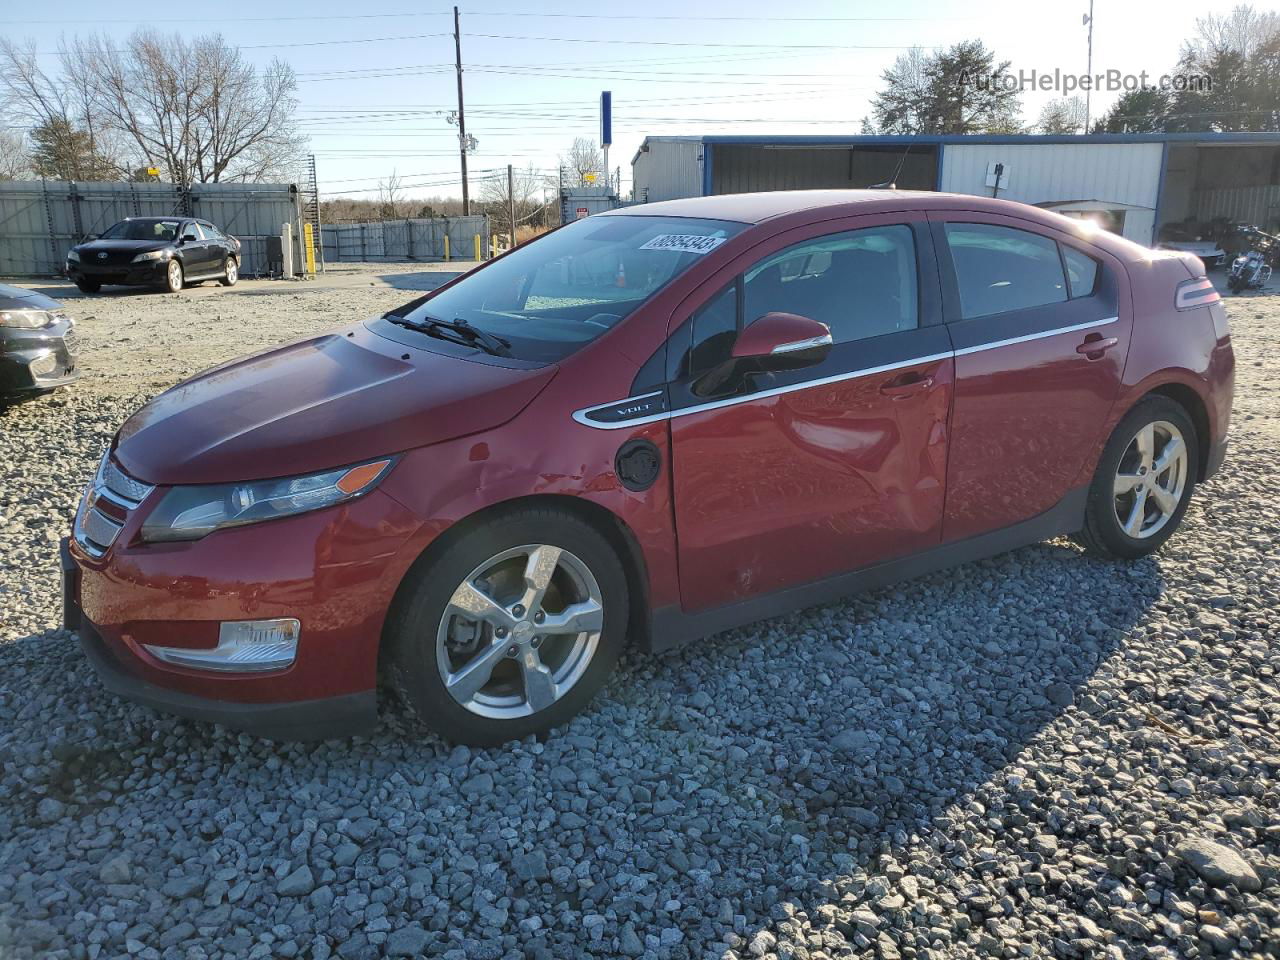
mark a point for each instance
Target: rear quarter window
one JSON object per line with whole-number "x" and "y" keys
{"x": 999, "y": 269}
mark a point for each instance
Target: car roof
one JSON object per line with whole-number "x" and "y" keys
{"x": 756, "y": 208}
{"x": 759, "y": 207}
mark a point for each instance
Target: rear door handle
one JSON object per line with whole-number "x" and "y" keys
{"x": 1094, "y": 346}
{"x": 906, "y": 385}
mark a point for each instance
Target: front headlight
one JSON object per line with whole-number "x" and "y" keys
{"x": 189, "y": 513}
{"x": 73, "y": 256}
{"x": 25, "y": 319}
{"x": 153, "y": 255}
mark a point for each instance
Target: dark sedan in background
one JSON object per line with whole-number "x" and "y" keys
{"x": 37, "y": 343}
{"x": 165, "y": 252}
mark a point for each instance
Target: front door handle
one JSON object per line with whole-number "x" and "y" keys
{"x": 906, "y": 385}
{"x": 1094, "y": 346}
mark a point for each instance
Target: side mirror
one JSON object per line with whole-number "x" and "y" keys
{"x": 189, "y": 238}
{"x": 88, "y": 237}
{"x": 775, "y": 342}
{"x": 783, "y": 341}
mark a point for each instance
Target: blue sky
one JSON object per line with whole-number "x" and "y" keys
{"x": 377, "y": 79}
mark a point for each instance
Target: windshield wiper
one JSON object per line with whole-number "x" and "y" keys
{"x": 466, "y": 334}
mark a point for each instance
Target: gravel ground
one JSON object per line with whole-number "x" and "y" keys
{"x": 1037, "y": 755}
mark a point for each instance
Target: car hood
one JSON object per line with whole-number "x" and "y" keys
{"x": 19, "y": 298}
{"x": 121, "y": 246}
{"x": 316, "y": 404}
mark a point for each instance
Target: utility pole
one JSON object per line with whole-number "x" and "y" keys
{"x": 1088, "y": 19}
{"x": 511, "y": 203}
{"x": 462, "y": 118}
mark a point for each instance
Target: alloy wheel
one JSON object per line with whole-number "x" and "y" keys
{"x": 231, "y": 270}
{"x": 175, "y": 276}
{"x": 519, "y": 631}
{"x": 1151, "y": 479}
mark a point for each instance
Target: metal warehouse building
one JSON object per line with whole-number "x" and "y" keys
{"x": 1134, "y": 183}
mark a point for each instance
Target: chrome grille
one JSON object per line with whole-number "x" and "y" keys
{"x": 123, "y": 486}
{"x": 95, "y": 531}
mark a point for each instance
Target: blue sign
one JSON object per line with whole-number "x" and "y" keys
{"x": 606, "y": 118}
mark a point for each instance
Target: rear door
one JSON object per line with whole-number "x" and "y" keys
{"x": 1040, "y": 322}
{"x": 792, "y": 477}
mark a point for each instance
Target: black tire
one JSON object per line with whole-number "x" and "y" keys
{"x": 1235, "y": 284}
{"x": 170, "y": 283}
{"x": 230, "y": 272}
{"x": 88, "y": 286}
{"x": 412, "y": 628}
{"x": 1103, "y": 534}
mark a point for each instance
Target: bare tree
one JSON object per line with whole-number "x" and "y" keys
{"x": 583, "y": 159}
{"x": 900, "y": 107}
{"x": 15, "y": 161}
{"x": 195, "y": 108}
{"x": 528, "y": 187}
{"x": 57, "y": 110}
{"x": 391, "y": 200}
{"x": 1061, "y": 115}
{"x": 1243, "y": 31}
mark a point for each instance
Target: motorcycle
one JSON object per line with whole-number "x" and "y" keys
{"x": 1252, "y": 269}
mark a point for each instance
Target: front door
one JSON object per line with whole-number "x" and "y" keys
{"x": 196, "y": 254}
{"x": 788, "y": 478}
{"x": 1040, "y": 326}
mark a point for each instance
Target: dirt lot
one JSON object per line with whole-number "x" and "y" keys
{"x": 148, "y": 340}
{"x": 1037, "y": 755}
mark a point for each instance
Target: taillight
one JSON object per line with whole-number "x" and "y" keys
{"x": 1195, "y": 293}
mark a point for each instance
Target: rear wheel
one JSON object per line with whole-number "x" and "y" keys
{"x": 88, "y": 286}
{"x": 231, "y": 273}
{"x": 173, "y": 277}
{"x": 1143, "y": 482}
{"x": 512, "y": 629}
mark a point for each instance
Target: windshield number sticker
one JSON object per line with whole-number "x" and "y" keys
{"x": 683, "y": 243}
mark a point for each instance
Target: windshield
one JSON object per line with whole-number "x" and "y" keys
{"x": 142, "y": 230}
{"x": 562, "y": 291}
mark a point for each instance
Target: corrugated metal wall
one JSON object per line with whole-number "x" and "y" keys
{"x": 738, "y": 168}
{"x": 668, "y": 170}
{"x": 415, "y": 239}
{"x": 1127, "y": 173}
{"x": 1259, "y": 206}
{"x": 41, "y": 220}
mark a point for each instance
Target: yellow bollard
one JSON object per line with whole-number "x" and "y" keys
{"x": 493, "y": 246}
{"x": 446, "y": 246}
{"x": 477, "y": 240}
{"x": 308, "y": 237}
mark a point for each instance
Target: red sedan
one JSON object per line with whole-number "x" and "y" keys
{"x": 646, "y": 427}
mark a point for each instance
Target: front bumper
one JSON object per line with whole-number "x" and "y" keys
{"x": 19, "y": 349}
{"x": 126, "y": 274}
{"x": 334, "y": 570}
{"x": 344, "y": 716}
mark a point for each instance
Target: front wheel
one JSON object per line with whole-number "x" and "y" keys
{"x": 231, "y": 274}
{"x": 512, "y": 629}
{"x": 173, "y": 277}
{"x": 88, "y": 286}
{"x": 1143, "y": 482}
{"x": 1235, "y": 284}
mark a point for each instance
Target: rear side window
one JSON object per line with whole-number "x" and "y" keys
{"x": 1082, "y": 271}
{"x": 999, "y": 269}
{"x": 210, "y": 231}
{"x": 861, "y": 283}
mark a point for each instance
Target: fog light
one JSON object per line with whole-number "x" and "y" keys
{"x": 244, "y": 646}
{"x": 43, "y": 365}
